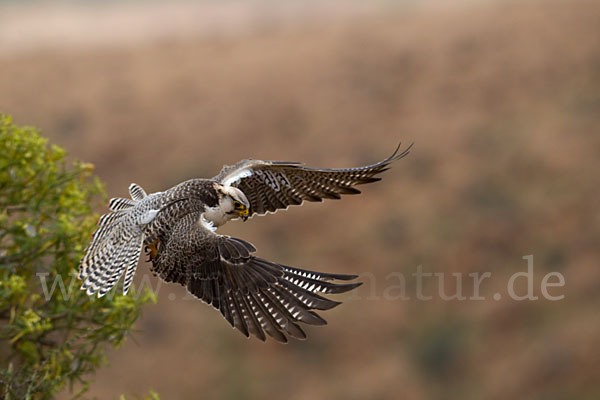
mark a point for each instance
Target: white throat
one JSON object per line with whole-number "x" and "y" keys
{"x": 218, "y": 215}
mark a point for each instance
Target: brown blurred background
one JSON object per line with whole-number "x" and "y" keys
{"x": 502, "y": 100}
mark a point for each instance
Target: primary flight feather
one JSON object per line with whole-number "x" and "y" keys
{"x": 177, "y": 228}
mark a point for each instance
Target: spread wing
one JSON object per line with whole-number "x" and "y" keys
{"x": 272, "y": 185}
{"x": 254, "y": 295}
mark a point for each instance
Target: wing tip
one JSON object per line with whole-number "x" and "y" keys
{"x": 395, "y": 156}
{"x": 343, "y": 288}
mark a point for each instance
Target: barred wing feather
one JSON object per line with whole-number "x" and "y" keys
{"x": 255, "y": 296}
{"x": 273, "y": 185}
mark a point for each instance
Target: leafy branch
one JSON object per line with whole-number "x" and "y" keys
{"x": 50, "y": 338}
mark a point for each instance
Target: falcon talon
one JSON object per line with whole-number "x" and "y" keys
{"x": 176, "y": 228}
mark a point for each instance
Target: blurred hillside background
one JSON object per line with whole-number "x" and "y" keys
{"x": 502, "y": 100}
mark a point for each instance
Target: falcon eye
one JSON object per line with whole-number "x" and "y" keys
{"x": 237, "y": 205}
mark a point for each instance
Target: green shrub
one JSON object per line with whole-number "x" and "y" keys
{"x": 51, "y": 333}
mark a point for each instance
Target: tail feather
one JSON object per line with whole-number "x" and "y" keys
{"x": 98, "y": 266}
{"x": 136, "y": 192}
{"x": 118, "y": 203}
{"x": 110, "y": 263}
{"x": 133, "y": 261}
{"x": 115, "y": 247}
{"x": 107, "y": 224}
{"x": 107, "y": 219}
{"x": 117, "y": 267}
{"x": 126, "y": 261}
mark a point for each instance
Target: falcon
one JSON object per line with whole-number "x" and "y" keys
{"x": 177, "y": 228}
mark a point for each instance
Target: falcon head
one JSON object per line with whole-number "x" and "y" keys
{"x": 232, "y": 202}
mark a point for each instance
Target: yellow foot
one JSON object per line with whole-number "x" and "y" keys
{"x": 151, "y": 250}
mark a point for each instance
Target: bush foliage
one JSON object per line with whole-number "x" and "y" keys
{"x": 51, "y": 333}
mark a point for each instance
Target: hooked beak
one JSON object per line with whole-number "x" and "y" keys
{"x": 243, "y": 213}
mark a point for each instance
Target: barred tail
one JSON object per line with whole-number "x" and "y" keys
{"x": 115, "y": 247}
{"x": 111, "y": 259}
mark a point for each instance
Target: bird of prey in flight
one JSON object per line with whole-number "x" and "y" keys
{"x": 177, "y": 228}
